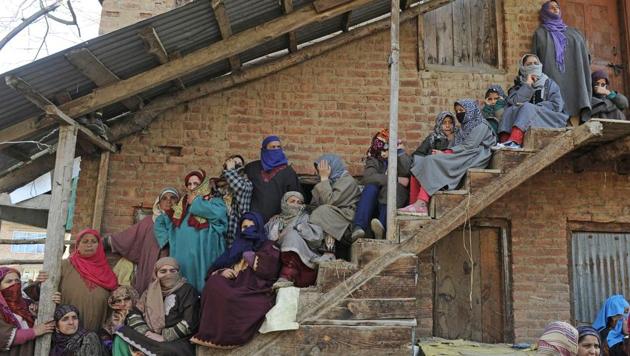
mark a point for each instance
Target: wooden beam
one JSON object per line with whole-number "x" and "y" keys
{"x": 15, "y": 153}
{"x": 158, "y": 105}
{"x": 55, "y": 230}
{"x": 26, "y": 172}
{"x": 324, "y": 5}
{"x": 420, "y": 60}
{"x": 12, "y": 261}
{"x": 154, "y": 46}
{"x": 101, "y": 190}
{"x": 93, "y": 69}
{"x": 41, "y": 202}
{"x": 32, "y": 217}
{"x": 189, "y": 63}
{"x": 345, "y": 22}
{"x": 51, "y": 110}
{"x": 287, "y": 8}
{"x": 605, "y": 153}
{"x": 28, "y": 242}
{"x": 405, "y": 4}
{"x": 218, "y": 6}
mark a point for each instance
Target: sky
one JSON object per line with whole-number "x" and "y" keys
{"x": 25, "y": 47}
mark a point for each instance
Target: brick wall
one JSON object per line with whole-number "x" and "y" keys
{"x": 334, "y": 103}
{"x": 120, "y": 13}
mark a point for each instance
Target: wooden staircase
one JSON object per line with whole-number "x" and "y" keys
{"x": 369, "y": 306}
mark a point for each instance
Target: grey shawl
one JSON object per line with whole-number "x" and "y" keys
{"x": 335, "y": 204}
{"x": 298, "y": 235}
{"x": 472, "y": 150}
{"x": 575, "y": 82}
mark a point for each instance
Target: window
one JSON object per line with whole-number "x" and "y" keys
{"x": 28, "y": 248}
{"x": 463, "y": 33}
{"x": 601, "y": 268}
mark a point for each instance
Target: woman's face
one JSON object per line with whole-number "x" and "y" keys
{"x": 9, "y": 280}
{"x": 554, "y": 8}
{"x": 247, "y": 223}
{"x": 122, "y": 303}
{"x": 447, "y": 125}
{"x": 492, "y": 98}
{"x": 167, "y": 201}
{"x": 531, "y": 60}
{"x": 193, "y": 183}
{"x": 589, "y": 346}
{"x": 68, "y": 324}
{"x": 294, "y": 201}
{"x": 166, "y": 270}
{"x": 88, "y": 245}
{"x": 459, "y": 109}
{"x": 274, "y": 145}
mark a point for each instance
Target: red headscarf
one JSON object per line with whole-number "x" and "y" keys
{"x": 94, "y": 269}
{"x": 12, "y": 302}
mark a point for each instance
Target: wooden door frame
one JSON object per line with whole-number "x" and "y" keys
{"x": 624, "y": 22}
{"x": 506, "y": 247}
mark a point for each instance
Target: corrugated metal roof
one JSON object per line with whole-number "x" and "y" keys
{"x": 182, "y": 30}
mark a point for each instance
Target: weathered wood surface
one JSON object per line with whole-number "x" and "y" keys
{"x": 55, "y": 231}
{"x": 373, "y": 309}
{"x": 101, "y": 190}
{"x": 27, "y": 171}
{"x": 218, "y": 6}
{"x": 410, "y": 225}
{"x": 492, "y": 288}
{"x": 287, "y": 7}
{"x": 507, "y": 160}
{"x": 154, "y": 46}
{"x": 444, "y": 201}
{"x": 477, "y": 178}
{"x": 323, "y": 5}
{"x": 365, "y": 250}
{"x": 33, "y": 217}
{"x": 394, "y": 91}
{"x": 537, "y": 138}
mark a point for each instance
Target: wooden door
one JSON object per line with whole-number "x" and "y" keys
{"x": 599, "y": 21}
{"x": 462, "y": 262}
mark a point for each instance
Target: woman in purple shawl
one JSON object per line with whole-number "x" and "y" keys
{"x": 564, "y": 55}
{"x": 238, "y": 292}
{"x": 71, "y": 338}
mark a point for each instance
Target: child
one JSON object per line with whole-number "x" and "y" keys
{"x": 494, "y": 105}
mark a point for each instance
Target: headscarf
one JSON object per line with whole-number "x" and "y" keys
{"x": 67, "y": 344}
{"x": 379, "y": 144}
{"x": 536, "y": 69}
{"x": 271, "y": 159}
{"x": 156, "y": 205}
{"x": 121, "y": 292}
{"x": 152, "y": 303}
{"x": 599, "y": 74}
{"x": 94, "y": 270}
{"x": 337, "y": 166}
{"x": 290, "y": 212}
{"x": 586, "y": 330}
{"x": 491, "y": 111}
{"x": 558, "y": 338}
{"x": 438, "y": 133}
{"x": 472, "y": 119}
{"x": 250, "y": 239}
{"x": 614, "y": 305}
{"x": 181, "y": 208}
{"x": 12, "y": 302}
{"x": 495, "y": 88}
{"x": 556, "y": 27}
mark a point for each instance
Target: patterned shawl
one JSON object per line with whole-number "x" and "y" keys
{"x": 67, "y": 344}
{"x": 556, "y": 27}
{"x": 117, "y": 317}
{"x": 438, "y": 133}
{"x": 379, "y": 144}
{"x": 558, "y": 338}
{"x": 13, "y": 302}
{"x": 156, "y": 205}
{"x": 181, "y": 208}
{"x": 472, "y": 119}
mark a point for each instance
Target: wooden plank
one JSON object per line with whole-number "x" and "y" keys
{"x": 405, "y": 4}
{"x": 420, "y": 60}
{"x": 409, "y": 225}
{"x": 444, "y": 201}
{"x": 91, "y": 67}
{"x": 500, "y": 28}
{"x": 28, "y": 242}
{"x": 145, "y": 116}
{"x": 394, "y": 93}
{"x": 462, "y": 33}
{"x": 26, "y": 172}
{"x": 362, "y": 309}
{"x": 287, "y": 7}
{"x": 51, "y": 110}
{"x": 538, "y": 138}
{"x": 491, "y": 281}
{"x": 605, "y": 153}
{"x": 155, "y": 47}
{"x": 365, "y": 250}
{"x": 507, "y": 160}
{"x": 41, "y": 202}
{"x": 444, "y": 31}
{"x": 12, "y": 261}
{"x": 55, "y": 231}
{"x": 323, "y": 5}
{"x": 359, "y": 323}
{"x": 345, "y": 21}
{"x": 430, "y": 38}
{"x": 33, "y": 217}
{"x": 17, "y": 154}
{"x": 218, "y": 6}
{"x": 330, "y": 274}
{"x": 478, "y": 178}
{"x": 101, "y": 190}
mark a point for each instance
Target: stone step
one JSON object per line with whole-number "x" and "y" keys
{"x": 506, "y": 160}
{"x": 443, "y": 201}
{"x": 477, "y": 178}
{"x": 539, "y": 138}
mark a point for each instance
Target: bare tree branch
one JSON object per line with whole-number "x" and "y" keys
{"x": 27, "y": 22}
{"x": 43, "y": 39}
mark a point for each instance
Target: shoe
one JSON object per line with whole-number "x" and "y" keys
{"x": 415, "y": 211}
{"x": 357, "y": 233}
{"x": 378, "y": 229}
{"x": 282, "y": 283}
{"x": 508, "y": 145}
{"x": 326, "y": 257}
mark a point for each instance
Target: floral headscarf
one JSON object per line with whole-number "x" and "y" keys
{"x": 472, "y": 119}
{"x": 379, "y": 144}
{"x": 12, "y": 302}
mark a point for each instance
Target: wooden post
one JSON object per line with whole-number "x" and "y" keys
{"x": 55, "y": 232}
{"x": 392, "y": 165}
{"x": 101, "y": 187}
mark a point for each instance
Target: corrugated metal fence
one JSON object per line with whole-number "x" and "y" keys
{"x": 600, "y": 269}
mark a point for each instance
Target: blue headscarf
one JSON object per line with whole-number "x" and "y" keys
{"x": 250, "y": 239}
{"x": 337, "y": 166}
{"x": 271, "y": 159}
{"x": 614, "y": 305}
{"x": 472, "y": 119}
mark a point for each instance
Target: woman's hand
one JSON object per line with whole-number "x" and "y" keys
{"x": 154, "y": 336}
{"x": 41, "y": 277}
{"x": 191, "y": 197}
{"x": 323, "y": 169}
{"x": 531, "y": 79}
{"x": 228, "y": 273}
{"x": 602, "y": 90}
{"x": 404, "y": 181}
{"x": 45, "y": 328}
{"x": 437, "y": 152}
{"x": 56, "y": 298}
